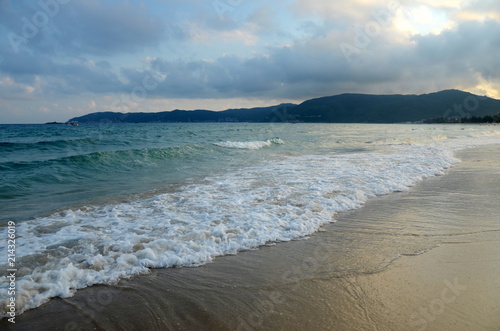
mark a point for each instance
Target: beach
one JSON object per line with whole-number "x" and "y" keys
{"x": 425, "y": 259}
{"x": 249, "y": 166}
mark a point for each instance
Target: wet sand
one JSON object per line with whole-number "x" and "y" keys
{"x": 426, "y": 259}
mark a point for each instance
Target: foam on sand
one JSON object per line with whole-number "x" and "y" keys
{"x": 271, "y": 202}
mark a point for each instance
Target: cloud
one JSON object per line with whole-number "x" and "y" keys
{"x": 317, "y": 66}
{"x": 87, "y": 27}
{"x": 59, "y": 78}
{"x": 94, "y": 27}
{"x": 12, "y": 90}
{"x": 470, "y": 48}
{"x": 157, "y": 51}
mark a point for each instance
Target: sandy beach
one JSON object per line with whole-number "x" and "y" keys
{"x": 426, "y": 259}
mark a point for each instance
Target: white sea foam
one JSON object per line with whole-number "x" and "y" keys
{"x": 272, "y": 202}
{"x": 250, "y": 144}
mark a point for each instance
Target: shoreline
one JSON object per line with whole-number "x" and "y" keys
{"x": 426, "y": 259}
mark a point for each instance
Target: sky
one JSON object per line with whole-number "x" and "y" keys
{"x": 65, "y": 58}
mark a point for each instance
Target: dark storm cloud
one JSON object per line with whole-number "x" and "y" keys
{"x": 75, "y": 76}
{"x": 53, "y": 40}
{"x": 308, "y": 67}
{"x": 227, "y": 77}
{"x": 471, "y": 47}
{"x": 452, "y": 58}
{"x": 22, "y": 64}
{"x": 91, "y": 27}
{"x": 84, "y": 27}
{"x": 291, "y": 72}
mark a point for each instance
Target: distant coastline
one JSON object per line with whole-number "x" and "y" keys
{"x": 448, "y": 106}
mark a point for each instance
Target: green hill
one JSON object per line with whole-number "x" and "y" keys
{"x": 229, "y": 115}
{"x": 366, "y": 108}
{"x": 343, "y": 108}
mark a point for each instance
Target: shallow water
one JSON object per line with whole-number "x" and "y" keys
{"x": 333, "y": 280}
{"x": 102, "y": 203}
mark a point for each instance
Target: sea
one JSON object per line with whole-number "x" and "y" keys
{"x": 97, "y": 203}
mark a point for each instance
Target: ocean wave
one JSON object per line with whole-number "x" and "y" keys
{"x": 132, "y": 158}
{"x": 111, "y": 159}
{"x": 250, "y": 144}
{"x": 272, "y": 202}
{"x": 22, "y": 177}
{"x": 57, "y": 143}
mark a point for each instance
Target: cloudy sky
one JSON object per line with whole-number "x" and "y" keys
{"x": 66, "y": 58}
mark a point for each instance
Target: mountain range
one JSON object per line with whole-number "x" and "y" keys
{"x": 342, "y": 108}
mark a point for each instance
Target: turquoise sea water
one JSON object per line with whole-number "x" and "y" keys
{"x": 45, "y": 167}
{"x": 96, "y": 203}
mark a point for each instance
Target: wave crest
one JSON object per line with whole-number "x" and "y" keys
{"x": 250, "y": 144}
